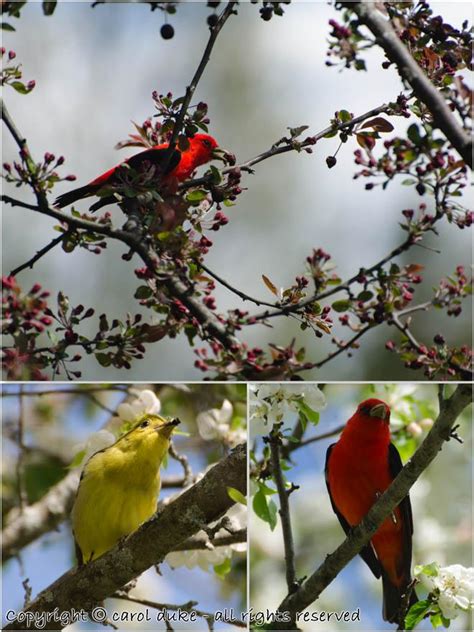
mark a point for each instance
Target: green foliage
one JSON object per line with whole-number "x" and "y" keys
{"x": 265, "y": 508}
{"x": 236, "y": 496}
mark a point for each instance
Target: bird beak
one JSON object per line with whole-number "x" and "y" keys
{"x": 380, "y": 411}
{"x": 168, "y": 427}
{"x": 224, "y": 155}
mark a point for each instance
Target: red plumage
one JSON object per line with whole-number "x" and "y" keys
{"x": 359, "y": 468}
{"x": 175, "y": 168}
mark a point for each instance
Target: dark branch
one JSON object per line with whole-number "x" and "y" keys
{"x": 283, "y": 495}
{"x": 199, "y": 71}
{"x": 397, "y": 52}
{"x": 203, "y": 542}
{"x": 30, "y": 263}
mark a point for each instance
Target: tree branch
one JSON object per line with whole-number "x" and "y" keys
{"x": 41, "y": 517}
{"x": 197, "y": 543}
{"x": 284, "y": 511}
{"x": 177, "y": 288}
{"x": 409, "y": 70}
{"x": 309, "y": 591}
{"x": 204, "y": 502}
{"x": 226, "y": 13}
{"x": 40, "y": 253}
{"x": 276, "y": 149}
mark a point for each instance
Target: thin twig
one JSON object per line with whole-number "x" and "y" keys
{"x": 200, "y": 542}
{"x": 277, "y": 150}
{"x": 339, "y": 288}
{"x": 227, "y": 12}
{"x": 78, "y": 390}
{"x": 321, "y": 437}
{"x": 239, "y": 293}
{"x": 283, "y": 495}
{"x": 181, "y": 458}
{"x": 40, "y": 253}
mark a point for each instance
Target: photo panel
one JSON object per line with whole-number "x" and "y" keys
{"x": 321, "y": 456}
{"x": 85, "y": 542}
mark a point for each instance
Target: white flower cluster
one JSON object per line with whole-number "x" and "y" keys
{"x": 269, "y": 403}
{"x": 145, "y": 402}
{"x": 213, "y": 555}
{"x": 215, "y": 424}
{"x": 452, "y": 587}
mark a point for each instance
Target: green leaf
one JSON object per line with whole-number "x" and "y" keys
{"x": 103, "y": 359}
{"x": 413, "y": 134}
{"x": 431, "y": 570}
{"x": 265, "y": 509}
{"x": 7, "y": 27}
{"x": 236, "y": 496}
{"x": 311, "y": 415}
{"x": 196, "y": 196}
{"x": 365, "y": 295}
{"x": 268, "y": 491}
{"x": 344, "y": 116}
{"x": 417, "y": 613}
{"x": 341, "y": 305}
{"x": 143, "y": 291}
{"x": 20, "y": 87}
{"x": 223, "y": 569}
{"x": 436, "y": 620}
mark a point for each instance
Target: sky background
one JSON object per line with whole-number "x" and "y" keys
{"x": 442, "y": 517}
{"x": 95, "y": 70}
{"x": 74, "y": 419}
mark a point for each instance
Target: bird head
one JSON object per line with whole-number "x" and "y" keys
{"x": 374, "y": 409}
{"x": 205, "y": 148}
{"x": 150, "y": 433}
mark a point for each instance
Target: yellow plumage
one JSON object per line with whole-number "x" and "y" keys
{"x": 119, "y": 487}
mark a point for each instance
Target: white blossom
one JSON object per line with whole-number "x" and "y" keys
{"x": 145, "y": 402}
{"x": 213, "y": 555}
{"x": 270, "y": 403}
{"x": 452, "y": 587}
{"x": 214, "y": 424}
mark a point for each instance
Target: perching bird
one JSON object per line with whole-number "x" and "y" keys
{"x": 179, "y": 167}
{"x": 119, "y": 487}
{"x": 359, "y": 468}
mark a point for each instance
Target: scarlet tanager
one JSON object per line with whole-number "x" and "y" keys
{"x": 177, "y": 168}
{"x": 119, "y": 487}
{"x": 359, "y": 468}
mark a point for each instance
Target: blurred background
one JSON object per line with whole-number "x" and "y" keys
{"x": 441, "y": 501}
{"x": 95, "y": 70}
{"x": 58, "y": 422}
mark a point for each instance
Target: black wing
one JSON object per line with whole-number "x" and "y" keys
{"x": 157, "y": 157}
{"x": 395, "y": 466}
{"x": 367, "y": 553}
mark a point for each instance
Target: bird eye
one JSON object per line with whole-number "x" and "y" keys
{"x": 207, "y": 143}
{"x": 144, "y": 424}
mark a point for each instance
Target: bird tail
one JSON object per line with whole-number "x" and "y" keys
{"x": 72, "y": 196}
{"x": 393, "y": 600}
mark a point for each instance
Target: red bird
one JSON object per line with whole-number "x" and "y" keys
{"x": 179, "y": 167}
{"x": 359, "y": 468}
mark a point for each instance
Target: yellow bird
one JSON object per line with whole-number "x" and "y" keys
{"x": 119, "y": 487}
